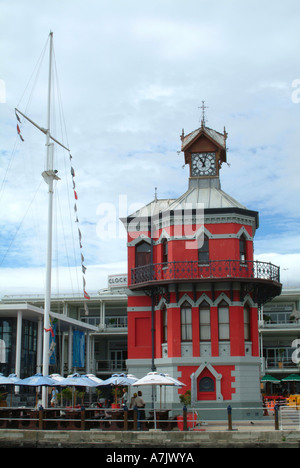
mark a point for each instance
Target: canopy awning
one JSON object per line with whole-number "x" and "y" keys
{"x": 33, "y": 313}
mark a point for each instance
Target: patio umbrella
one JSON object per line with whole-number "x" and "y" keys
{"x": 119, "y": 380}
{"x": 291, "y": 378}
{"x": 177, "y": 383}
{"x": 269, "y": 378}
{"x": 154, "y": 379}
{"x": 37, "y": 380}
{"x": 77, "y": 380}
{"x": 57, "y": 377}
{"x": 94, "y": 379}
{"x": 11, "y": 380}
{"x": 6, "y": 380}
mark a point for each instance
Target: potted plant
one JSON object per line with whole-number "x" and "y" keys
{"x": 116, "y": 393}
{"x": 66, "y": 393}
{"x": 81, "y": 396}
{"x": 185, "y": 398}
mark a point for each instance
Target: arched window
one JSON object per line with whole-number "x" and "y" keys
{"x": 247, "y": 333}
{"x": 142, "y": 254}
{"x": 186, "y": 322}
{"x": 206, "y": 384}
{"x": 243, "y": 248}
{"x": 203, "y": 251}
{"x": 223, "y": 317}
{"x": 164, "y": 251}
{"x": 204, "y": 320}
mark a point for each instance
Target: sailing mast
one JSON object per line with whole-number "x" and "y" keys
{"x": 49, "y": 177}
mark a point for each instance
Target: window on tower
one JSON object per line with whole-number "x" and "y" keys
{"x": 204, "y": 319}
{"x": 243, "y": 248}
{"x": 186, "y": 322}
{"x": 247, "y": 334}
{"x": 223, "y": 316}
{"x": 203, "y": 251}
{"x": 164, "y": 251}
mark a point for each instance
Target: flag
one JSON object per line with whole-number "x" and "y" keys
{"x": 49, "y": 330}
{"x": 72, "y": 172}
{"x": 86, "y": 295}
{"x": 19, "y": 132}
{"x": 18, "y": 118}
{"x": 75, "y": 195}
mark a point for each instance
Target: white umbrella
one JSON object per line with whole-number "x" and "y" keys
{"x": 121, "y": 380}
{"x": 12, "y": 379}
{"x": 77, "y": 380}
{"x": 177, "y": 383}
{"x": 94, "y": 379}
{"x": 6, "y": 380}
{"x": 153, "y": 379}
{"x": 57, "y": 377}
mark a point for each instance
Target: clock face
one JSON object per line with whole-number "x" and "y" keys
{"x": 204, "y": 164}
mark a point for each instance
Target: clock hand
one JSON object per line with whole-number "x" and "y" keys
{"x": 203, "y": 162}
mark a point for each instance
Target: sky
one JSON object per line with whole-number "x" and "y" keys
{"x": 130, "y": 76}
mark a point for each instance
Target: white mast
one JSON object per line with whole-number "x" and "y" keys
{"x": 49, "y": 175}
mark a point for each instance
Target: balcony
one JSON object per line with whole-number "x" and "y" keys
{"x": 262, "y": 275}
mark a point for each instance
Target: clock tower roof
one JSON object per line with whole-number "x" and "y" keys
{"x": 204, "y": 139}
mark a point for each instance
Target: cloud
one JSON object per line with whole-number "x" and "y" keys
{"x": 131, "y": 76}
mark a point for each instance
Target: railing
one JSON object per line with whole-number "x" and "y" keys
{"x": 215, "y": 269}
{"x": 123, "y": 419}
{"x": 111, "y": 365}
{"x": 280, "y": 363}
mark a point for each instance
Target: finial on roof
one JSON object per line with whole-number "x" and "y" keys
{"x": 155, "y": 195}
{"x": 203, "y": 107}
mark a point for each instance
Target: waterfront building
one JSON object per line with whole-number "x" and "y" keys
{"x": 104, "y": 329}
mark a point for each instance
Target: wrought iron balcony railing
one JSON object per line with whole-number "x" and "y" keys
{"x": 215, "y": 269}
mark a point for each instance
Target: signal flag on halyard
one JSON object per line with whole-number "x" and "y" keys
{"x": 19, "y": 132}
{"x": 83, "y": 268}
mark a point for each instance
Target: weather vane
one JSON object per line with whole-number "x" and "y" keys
{"x": 203, "y": 107}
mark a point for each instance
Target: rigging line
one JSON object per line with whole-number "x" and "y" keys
{"x": 59, "y": 100}
{"x": 64, "y": 237}
{"x": 37, "y": 67}
{"x": 4, "y": 181}
{"x": 19, "y": 227}
{"x": 71, "y": 221}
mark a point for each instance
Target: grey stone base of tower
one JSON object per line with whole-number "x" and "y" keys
{"x": 245, "y": 402}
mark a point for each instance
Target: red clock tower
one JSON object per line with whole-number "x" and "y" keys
{"x": 195, "y": 288}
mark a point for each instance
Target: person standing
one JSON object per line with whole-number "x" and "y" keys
{"x": 140, "y": 403}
